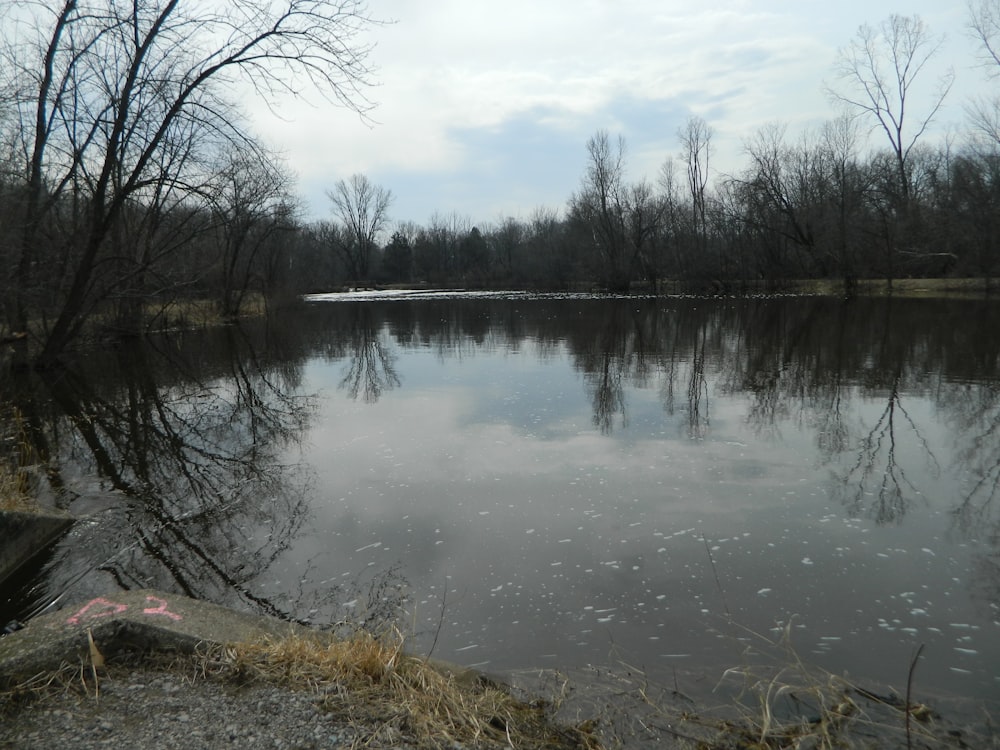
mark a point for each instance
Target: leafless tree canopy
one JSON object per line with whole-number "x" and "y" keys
{"x": 984, "y": 26}
{"x": 878, "y": 71}
{"x": 363, "y": 208}
{"x": 696, "y": 147}
{"x": 115, "y": 103}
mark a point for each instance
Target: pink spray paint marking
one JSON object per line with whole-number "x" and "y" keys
{"x": 103, "y": 608}
{"x": 161, "y": 610}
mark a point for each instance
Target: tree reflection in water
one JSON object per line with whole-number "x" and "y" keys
{"x": 188, "y": 456}
{"x": 610, "y": 356}
{"x": 853, "y": 374}
{"x": 193, "y": 440}
{"x": 974, "y": 416}
{"x": 877, "y": 473}
{"x": 371, "y": 362}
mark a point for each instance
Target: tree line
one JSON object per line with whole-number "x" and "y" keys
{"x": 130, "y": 180}
{"x": 865, "y": 195}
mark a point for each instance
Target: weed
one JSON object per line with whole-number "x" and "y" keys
{"x": 373, "y": 684}
{"x": 16, "y": 454}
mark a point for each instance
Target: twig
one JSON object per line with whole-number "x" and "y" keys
{"x": 718, "y": 584}
{"x": 437, "y": 631}
{"x": 909, "y": 687}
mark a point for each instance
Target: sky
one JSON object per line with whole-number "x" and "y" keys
{"x": 484, "y": 107}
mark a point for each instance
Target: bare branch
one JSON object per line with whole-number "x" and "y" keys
{"x": 878, "y": 70}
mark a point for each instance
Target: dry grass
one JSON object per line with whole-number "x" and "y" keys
{"x": 200, "y": 313}
{"x": 78, "y": 678}
{"x": 927, "y": 288}
{"x": 371, "y": 683}
{"x": 787, "y": 707}
{"x": 390, "y": 699}
{"x": 16, "y": 492}
{"x": 13, "y": 490}
{"x": 793, "y": 705}
{"x": 387, "y": 697}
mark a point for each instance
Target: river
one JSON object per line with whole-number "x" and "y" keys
{"x": 553, "y": 481}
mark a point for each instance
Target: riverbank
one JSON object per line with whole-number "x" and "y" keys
{"x": 149, "y": 669}
{"x": 929, "y": 288}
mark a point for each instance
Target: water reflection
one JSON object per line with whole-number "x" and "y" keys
{"x": 883, "y": 389}
{"x": 176, "y": 461}
{"x": 877, "y": 484}
{"x": 552, "y": 468}
{"x": 370, "y": 369}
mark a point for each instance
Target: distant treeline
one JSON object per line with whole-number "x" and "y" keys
{"x": 129, "y": 181}
{"x": 800, "y": 210}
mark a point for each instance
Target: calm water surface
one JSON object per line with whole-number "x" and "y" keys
{"x": 559, "y": 482}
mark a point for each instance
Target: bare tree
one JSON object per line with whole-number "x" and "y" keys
{"x": 508, "y": 238}
{"x": 696, "y": 148}
{"x": 879, "y": 69}
{"x": 847, "y": 183}
{"x": 645, "y": 213}
{"x": 670, "y": 197}
{"x": 600, "y": 206}
{"x": 363, "y": 208}
{"x": 106, "y": 87}
{"x": 251, "y": 205}
{"x": 772, "y": 177}
{"x": 984, "y": 24}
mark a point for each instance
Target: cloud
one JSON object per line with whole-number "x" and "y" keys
{"x": 482, "y": 105}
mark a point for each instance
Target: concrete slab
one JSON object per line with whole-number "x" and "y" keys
{"x": 143, "y": 620}
{"x": 24, "y": 535}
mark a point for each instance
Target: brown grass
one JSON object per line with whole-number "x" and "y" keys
{"x": 392, "y": 699}
{"x": 200, "y": 313}
{"x": 15, "y": 483}
{"x": 13, "y": 495}
{"x": 387, "y": 697}
{"x": 371, "y": 683}
{"x": 926, "y": 288}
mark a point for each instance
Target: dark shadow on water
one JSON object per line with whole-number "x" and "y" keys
{"x": 180, "y": 460}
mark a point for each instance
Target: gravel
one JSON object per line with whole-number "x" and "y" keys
{"x": 143, "y": 709}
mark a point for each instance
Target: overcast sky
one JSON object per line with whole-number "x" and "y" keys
{"x": 485, "y": 106}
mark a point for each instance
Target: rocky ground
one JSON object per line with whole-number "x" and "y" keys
{"x": 141, "y": 708}
{"x": 143, "y": 705}
{"x": 177, "y": 673}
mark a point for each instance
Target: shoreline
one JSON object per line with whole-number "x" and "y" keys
{"x": 140, "y": 666}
